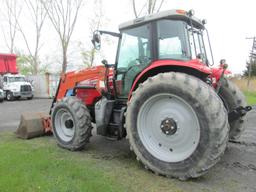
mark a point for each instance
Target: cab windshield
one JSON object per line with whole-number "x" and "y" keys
{"x": 16, "y": 79}
{"x": 177, "y": 40}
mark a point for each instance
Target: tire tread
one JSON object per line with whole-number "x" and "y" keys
{"x": 83, "y": 119}
{"x": 211, "y": 103}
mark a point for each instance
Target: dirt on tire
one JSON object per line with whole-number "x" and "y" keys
{"x": 81, "y": 123}
{"x": 212, "y": 117}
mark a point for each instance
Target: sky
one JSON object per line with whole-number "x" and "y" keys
{"x": 229, "y": 24}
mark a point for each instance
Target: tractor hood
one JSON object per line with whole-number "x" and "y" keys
{"x": 90, "y": 77}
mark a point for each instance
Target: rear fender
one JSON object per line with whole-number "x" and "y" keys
{"x": 193, "y": 67}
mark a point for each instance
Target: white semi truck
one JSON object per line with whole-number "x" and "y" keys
{"x": 16, "y": 86}
{"x": 2, "y": 96}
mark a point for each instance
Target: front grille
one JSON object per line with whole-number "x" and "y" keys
{"x": 25, "y": 88}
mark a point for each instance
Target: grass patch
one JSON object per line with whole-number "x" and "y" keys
{"x": 250, "y": 97}
{"x": 39, "y": 165}
{"x": 242, "y": 83}
{"x": 249, "y": 92}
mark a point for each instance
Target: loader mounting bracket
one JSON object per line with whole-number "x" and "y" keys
{"x": 238, "y": 112}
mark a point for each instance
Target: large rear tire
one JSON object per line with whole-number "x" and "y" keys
{"x": 177, "y": 126}
{"x": 71, "y": 123}
{"x": 232, "y": 98}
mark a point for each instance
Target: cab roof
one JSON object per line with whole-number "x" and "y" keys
{"x": 170, "y": 14}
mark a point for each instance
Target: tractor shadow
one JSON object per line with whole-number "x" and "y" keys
{"x": 103, "y": 148}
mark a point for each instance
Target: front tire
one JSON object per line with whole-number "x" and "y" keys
{"x": 9, "y": 96}
{"x": 177, "y": 125}
{"x": 71, "y": 123}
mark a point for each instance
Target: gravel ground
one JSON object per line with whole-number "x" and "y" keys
{"x": 10, "y": 111}
{"x": 235, "y": 172}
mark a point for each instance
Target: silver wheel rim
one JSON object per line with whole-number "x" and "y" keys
{"x": 64, "y": 133}
{"x": 174, "y": 147}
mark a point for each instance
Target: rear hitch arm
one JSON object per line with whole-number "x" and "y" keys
{"x": 238, "y": 112}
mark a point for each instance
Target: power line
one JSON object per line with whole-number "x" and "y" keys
{"x": 252, "y": 56}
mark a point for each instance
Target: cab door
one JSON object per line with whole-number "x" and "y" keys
{"x": 134, "y": 55}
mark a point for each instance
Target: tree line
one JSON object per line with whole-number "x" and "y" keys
{"x": 62, "y": 16}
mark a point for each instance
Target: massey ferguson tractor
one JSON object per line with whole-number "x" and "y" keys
{"x": 177, "y": 112}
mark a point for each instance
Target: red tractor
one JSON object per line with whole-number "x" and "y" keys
{"x": 161, "y": 93}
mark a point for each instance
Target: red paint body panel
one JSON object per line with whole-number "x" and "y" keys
{"x": 8, "y": 64}
{"x": 88, "y": 96}
{"x": 86, "y": 77}
{"x": 95, "y": 76}
{"x": 193, "y": 64}
{"x": 90, "y": 77}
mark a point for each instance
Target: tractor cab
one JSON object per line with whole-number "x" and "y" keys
{"x": 172, "y": 38}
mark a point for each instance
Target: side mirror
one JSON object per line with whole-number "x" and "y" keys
{"x": 96, "y": 40}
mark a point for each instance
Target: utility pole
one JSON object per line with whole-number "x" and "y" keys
{"x": 252, "y": 56}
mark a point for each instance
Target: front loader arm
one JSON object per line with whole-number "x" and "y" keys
{"x": 69, "y": 81}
